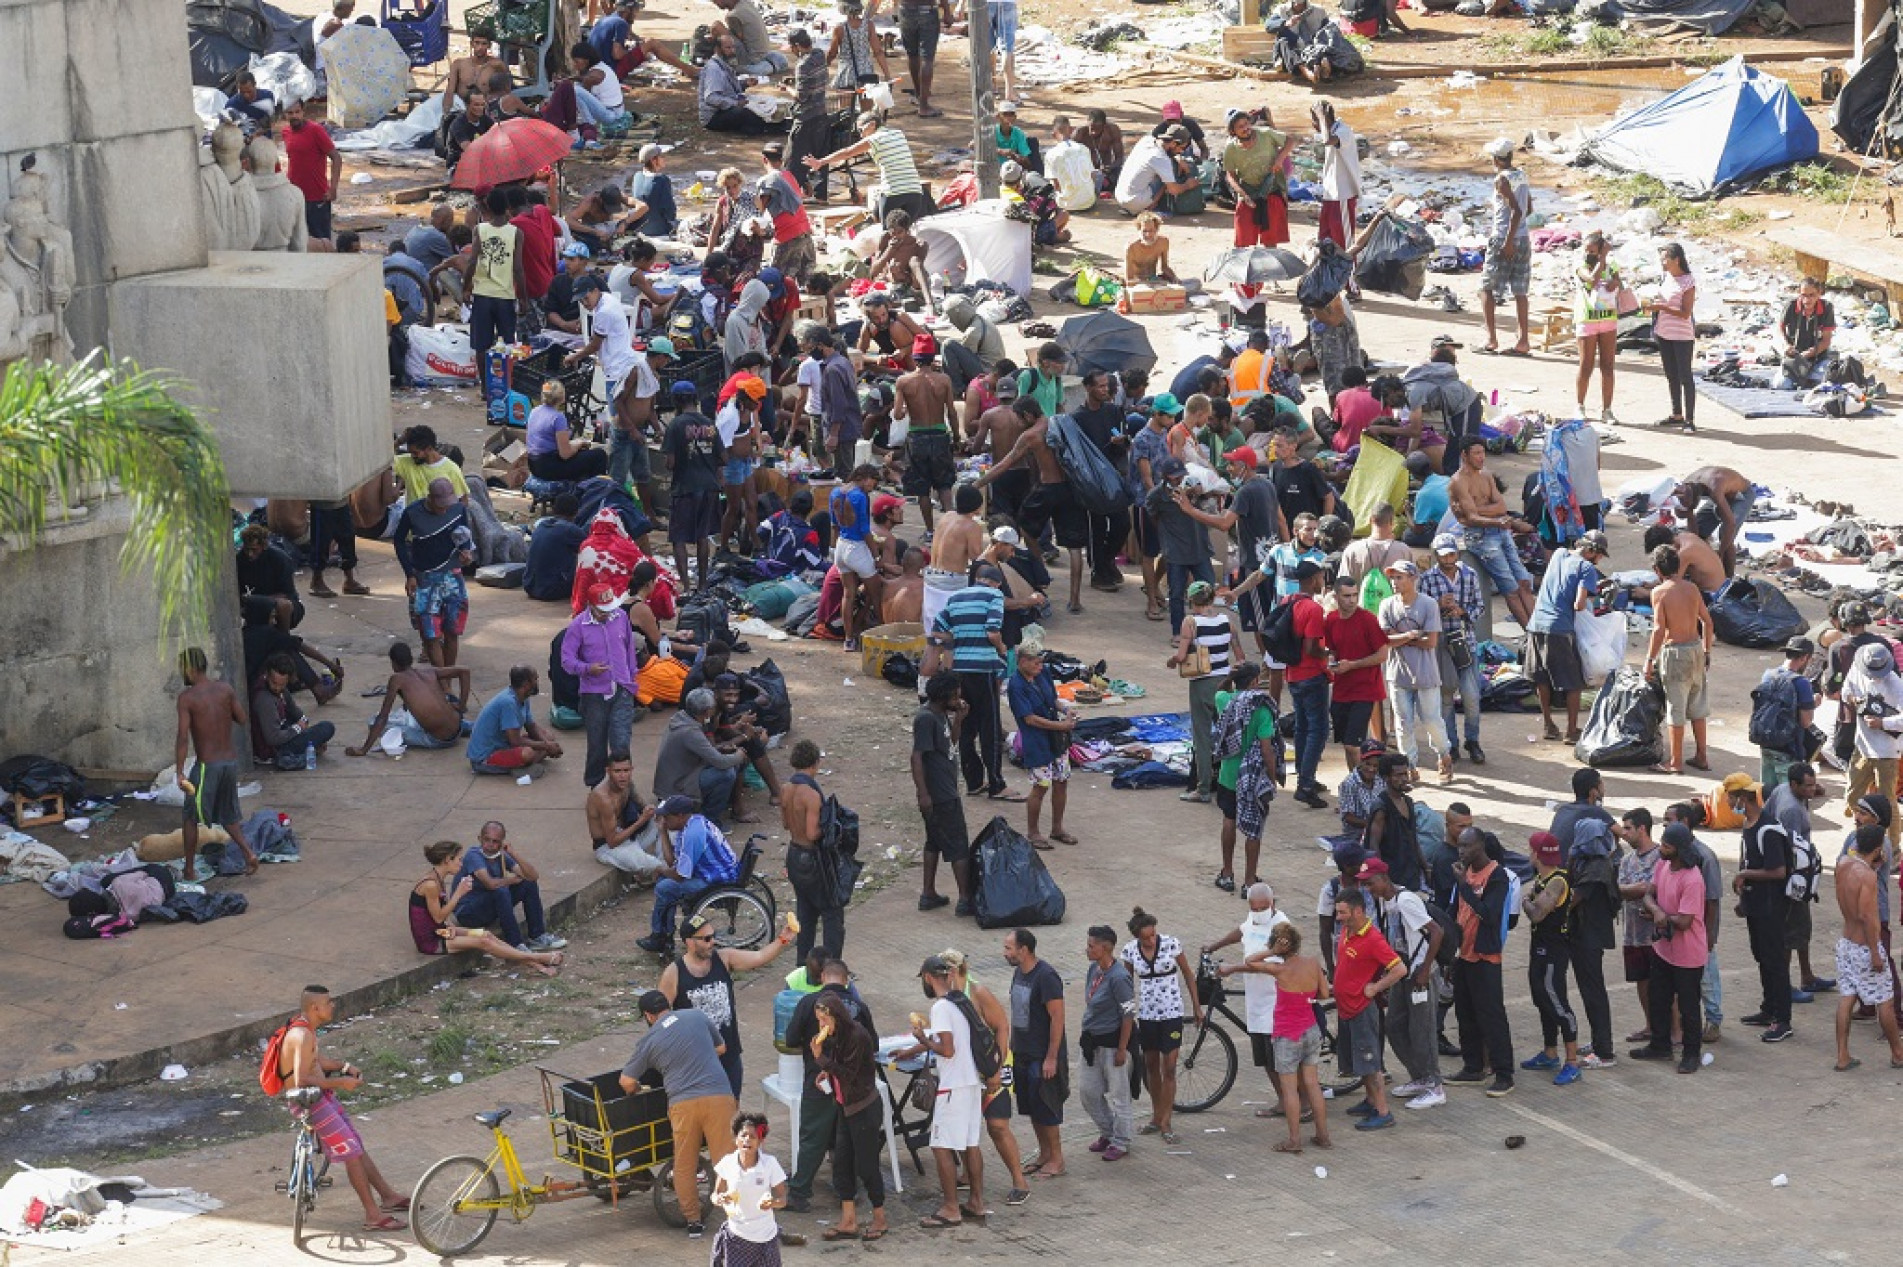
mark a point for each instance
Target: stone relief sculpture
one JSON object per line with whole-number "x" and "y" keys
{"x": 281, "y": 225}
{"x": 225, "y": 187}
{"x": 36, "y": 274}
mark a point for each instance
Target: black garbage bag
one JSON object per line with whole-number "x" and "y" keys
{"x": 1014, "y": 887}
{"x": 1752, "y": 613}
{"x": 1327, "y": 278}
{"x": 772, "y": 707}
{"x": 1509, "y": 693}
{"x": 1394, "y": 261}
{"x": 900, "y": 670}
{"x": 1095, "y": 480}
{"x": 37, "y": 778}
{"x": 1624, "y": 728}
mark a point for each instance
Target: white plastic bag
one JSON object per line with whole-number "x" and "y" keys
{"x": 1601, "y": 641}
{"x": 440, "y": 356}
{"x": 284, "y": 76}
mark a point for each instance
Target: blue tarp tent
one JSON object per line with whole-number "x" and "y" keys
{"x": 1717, "y": 131}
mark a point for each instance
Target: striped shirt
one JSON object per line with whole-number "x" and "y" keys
{"x": 971, "y": 616}
{"x": 893, "y": 154}
{"x": 1215, "y": 633}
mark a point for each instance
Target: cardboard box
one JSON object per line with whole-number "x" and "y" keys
{"x": 1156, "y": 298}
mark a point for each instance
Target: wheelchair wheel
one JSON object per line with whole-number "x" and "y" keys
{"x": 742, "y": 919}
{"x": 757, "y": 884}
{"x": 668, "y": 1205}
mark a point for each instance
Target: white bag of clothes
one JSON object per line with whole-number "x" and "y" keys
{"x": 1601, "y": 642}
{"x": 639, "y": 855}
{"x": 440, "y": 356}
{"x": 285, "y": 77}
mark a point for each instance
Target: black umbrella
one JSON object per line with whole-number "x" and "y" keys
{"x": 1253, "y": 265}
{"x": 1105, "y": 341}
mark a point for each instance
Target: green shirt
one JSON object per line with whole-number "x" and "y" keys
{"x": 1253, "y": 165}
{"x": 1220, "y": 443}
{"x": 1261, "y": 726}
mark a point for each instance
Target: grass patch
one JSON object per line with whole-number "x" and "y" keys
{"x": 1815, "y": 180}
{"x": 449, "y": 1043}
{"x": 1602, "y": 42}
{"x": 1675, "y": 211}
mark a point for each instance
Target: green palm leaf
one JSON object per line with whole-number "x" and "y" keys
{"x": 65, "y": 426}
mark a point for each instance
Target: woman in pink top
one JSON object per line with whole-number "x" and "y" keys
{"x": 1295, "y": 1037}
{"x": 1675, "y": 331}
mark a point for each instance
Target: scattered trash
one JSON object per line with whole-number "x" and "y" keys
{"x": 174, "y": 1073}
{"x": 363, "y": 178}
{"x": 455, "y": 1080}
{"x": 847, "y": 682}
{"x": 1516, "y": 1141}
{"x": 1321, "y": 1172}
{"x": 525, "y": 780}
{"x": 1397, "y": 149}
{"x": 1780, "y": 1181}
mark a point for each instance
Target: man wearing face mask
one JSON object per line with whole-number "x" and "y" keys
{"x": 503, "y": 880}
{"x": 598, "y": 649}
{"x": 1258, "y": 988}
{"x": 506, "y": 737}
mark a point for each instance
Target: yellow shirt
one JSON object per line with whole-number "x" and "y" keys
{"x": 391, "y": 316}
{"x": 495, "y": 260}
{"x": 416, "y": 477}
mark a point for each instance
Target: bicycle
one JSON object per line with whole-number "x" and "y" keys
{"x": 310, "y": 1164}
{"x": 744, "y": 911}
{"x": 1197, "y": 1091}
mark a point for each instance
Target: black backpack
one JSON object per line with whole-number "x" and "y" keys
{"x": 1774, "y": 723}
{"x": 838, "y": 849}
{"x": 1279, "y": 639}
{"x": 984, "y": 1044}
{"x": 1449, "y": 933}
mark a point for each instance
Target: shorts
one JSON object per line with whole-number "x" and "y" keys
{"x": 736, "y": 471}
{"x": 501, "y": 761}
{"x": 1160, "y": 1036}
{"x": 1027, "y": 1089}
{"x": 1552, "y": 660}
{"x": 1797, "y": 926}
{"x": 441, "y": 605}
{"x": 332, "y": 1127}
{"x": 998, "y": 1107}
{"x": 317, "y": 219}
{"x": 1682, "y": 674}
{"x": 1493, "y": 549}
{"x": 1262, "y": 1051}
{"x": 1350, "y": 718}
{"x": 928, "y": 463}
{"x": 214, "y": 798}
{"x": 1057, "y": 771}
{"x": 958, "y": 1120}
{"x": 1254, "y": 608}
{"x": 1292, "y": 1053}
{"x": 1149, "y": 544}
{"x": 693, "y": 517}
{"x": 1226, "y": 802}
{"x": 1638, "y": 964}
{"x": 855, "y": 557}
{"x": 945, "y": 832}
{"x": 1593, "y": 329}
{"x": 1358, "y": 1043}
{"x": 1057, "y": 505}
{"x": 1508, "y": 278}
{"x": 1004, "y": 26}
{"x": 919, "y": 30}
{"x": 1857, "y": 979}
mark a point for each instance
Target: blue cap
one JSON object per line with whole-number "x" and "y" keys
{"x": 684, "y": 388}
{"x": 575, "y": 251}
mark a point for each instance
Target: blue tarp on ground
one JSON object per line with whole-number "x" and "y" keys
{"x": 1717, "y": 131}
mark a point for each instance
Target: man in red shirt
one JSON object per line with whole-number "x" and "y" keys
{"x": 1307, "y": 682}
{"x": 313, "y": 165}
{"x": 1357, "y": 647}
{"x": 1365, "y": 966}
{"x": 794, "y": 252}
{"x": 538, "y": 242}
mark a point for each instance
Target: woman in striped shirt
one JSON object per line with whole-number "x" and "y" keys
{"x": 1204, "y": 629}
{"x": 892, "y": 153}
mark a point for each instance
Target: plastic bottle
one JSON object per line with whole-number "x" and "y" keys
{"x": 310, "y": 757}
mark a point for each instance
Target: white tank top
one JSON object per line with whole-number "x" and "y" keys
{"x": 608, "y": 91}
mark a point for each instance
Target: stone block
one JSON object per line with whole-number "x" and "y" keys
{"x": 286, "y": 355}
{"x": 127, "y": 67}
{"x": 140, "y": 210}
{"x": 34, "y": 109}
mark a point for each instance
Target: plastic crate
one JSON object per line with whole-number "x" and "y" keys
{"x": 706, "y": 370}
{"x": 607, "y": 1131}
{"x": 480, "y": 19}
{"x": 530, "y": 373}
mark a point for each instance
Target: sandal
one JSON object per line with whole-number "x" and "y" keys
{"x": 1064, "y": 837}
{"x": 399, "y": 1206}
{"x": 1040, "y": 844}
{"x": 357, "y": 588}
{"x": 1283, "y": 1146}
{"x": 938, "y": 1223}
{"x": 840, "y": 1234}
{"x": 1006, "y": 794}
{"x": 871, "y": 1235}
{"x": 1854, "y": 1064}
{"x": 388, "y": 1223}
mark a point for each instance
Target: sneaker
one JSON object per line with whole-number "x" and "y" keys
{"x": 932, "y": 901}
{"x": 1820, "y": 985}
{"x": 966, "y": 908}
{"x": 1201, "y": 798}
{"x": 1540, "y": 1062}
{"x": 1448, "y": 1049}
{"x": 798, "y": 1204}
{"x": 1363, "y": 1109}
{"x": 1757, "y": 1020}
{"x": 1710, "y": 1033}
{"x": 1375, "y": 1122}
{"x": 1476, "y": 752}
{"x": 1432, "y": 1098}
{"x": 1464, "y": 1078}
{"x": 547, "y": 941}
{"x": 1500, "y": 1087}
{"x": 1408, "y": 1089}
{"x": 1227, "y": 883}
{"x": 1688, "y": 1065}
{"x": 1113, "y": 1153}
{"x": 1312, "y": 798}
{"x": 1103, "y": 1142}
{"x": 1567, "y": 1076}
{"x": 1776, "y": 1034}
{"x": 1593, "y": 1060}
{"x": 1802, "y": 996}
{"x": 655, "y": 945}
{"x": 696, "y": 1230}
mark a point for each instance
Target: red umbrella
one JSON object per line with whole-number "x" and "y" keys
{"x": 514, "y": 149}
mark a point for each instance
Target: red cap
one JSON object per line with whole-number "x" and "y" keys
{"x": 1544, "y": 846}
{"x": 885, "y": 503}
{"x": 1242, "y": 455}
{"x": 603, "y": 596}
{"x": 923, "y": 344}
{"x": 1372, "y": 867}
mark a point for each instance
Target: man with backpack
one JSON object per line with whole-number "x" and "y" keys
{"x": 815, "y": 902}
{"x": 1483, "y": 903}
{"x": 1764, "y": 868}
{"x": 1782, "y": 706}
{"x": 1421, "y": 936}
{"x": 1790, "y": 805}
{"x": 955, "y": 1041}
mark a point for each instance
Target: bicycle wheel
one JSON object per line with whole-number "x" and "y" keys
{"x": 1205, "y": 1070}
{"x": 742, "y": 919}
{"x": 668, "y": 1206}
{"x": 440, "y": 1208}
{"x": 303, "y": 1185}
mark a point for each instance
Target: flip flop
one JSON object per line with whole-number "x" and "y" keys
{"x": 839, "y": 1234}
{"x": 1064, "y": 837}
{"x": 1007, "y": 795}
{"x": 968, "y": 1212}
{"x": 1040, "y": 844}
{"x": 1155, "y": 615}
{"x": 399, "y": 1206}
{"x": 938, "y": 1223}
{"x": 1283, "y": 1146}
{"x": 1515, "y": 352}
{"x": 389, "y": 1223}
{"x": 357, "y": 588}
{"x": 1854, "y": 1064}
{"x": 1662, "y": 768}
{"x": 870, "y": 1236}
{"x": 1483, "y": 351}
{"x": 1696, "y": 764}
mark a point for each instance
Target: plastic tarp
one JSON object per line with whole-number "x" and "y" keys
{"x": 983, "y": 241}
{"x": 224, "y": 35}
{"x": 1716, "y": 132}
{"x": 1712, "y": 17}
{"x": 1864, "y": 104}
{"x": 1380, "y": 475}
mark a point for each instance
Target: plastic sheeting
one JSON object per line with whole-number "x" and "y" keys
{"x": 982, "y": 241}
{"x": 1380, "y": 475}
{"x": 1713, "y": 17}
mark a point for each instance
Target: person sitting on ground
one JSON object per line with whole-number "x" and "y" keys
{"x": 280, "y": 731}
{"x": 503, "y": 880}
{"x": 1040, "y": 201}
{"x": 601, "y": 217}
{"x": 554, "y": 452}
{"x": 899, "y": 251}
{"x": 888, "y": 329}
{"x": 433, "y": 925}
{"x": 1147, "y": 260}
{"x": 624, "y": 829}
{"x": 267, "y": 581}
{"x": 1104, "y": 140}
{"x": 554, "y": 547}
{"x": 735, "y": 722}
{"x": 1156, "y": 171}
{"x": 905, "y": 593}
{"x": 506, "y": 738}
{"x": 429, "y": 717}
{"x": 652, "y": 189}
{"x": 1808, "y": 325}
{"x": 561, "y": 311}
{"x": 1309, "y": 44}
{"x": 722, "y": 93}
{"x": 463, "y": 130}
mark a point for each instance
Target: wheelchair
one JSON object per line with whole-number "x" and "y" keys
{"x": 744, "y": 913}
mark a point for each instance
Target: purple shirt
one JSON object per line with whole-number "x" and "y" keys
{"x": 591, "y": 641}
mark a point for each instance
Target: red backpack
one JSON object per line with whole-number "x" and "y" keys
{"x": 269, "y": 1076}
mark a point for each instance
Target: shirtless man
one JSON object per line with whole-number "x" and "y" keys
{"x": 1148, "y": 258}
{"x": 901, "y": 257}
{"x": 998, "y": 429}
{"x": 956, "y": 545}
{"x": 473, "y": 71}
{"x": 616, "y": 813}
{"x": 300, "y": 1064}
{"x": 1053, "y": 501}
{"x": 207, "y": 710}
{"x": 800, "y": 804}
{"x": 1482, "y": 511}
{"x": 1863, "y": 971}
{"x": 1730, "y": 493}
{"x": 925, "y": 398}
{"x": 437, "y": 719}
{"x": 1678, "y": 656}
{"x": 1698, "y": 562}
{"x": 905, "y": 594}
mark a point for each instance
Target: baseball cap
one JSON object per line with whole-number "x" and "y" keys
{"x": 1446, "y": 543}
{"x": 587, "y": 284}
{"x": 923, "y": 344}
{"x": 1740, "y": 782}
{"x": 1172, "y": 109}
{"x": 1445, "y": 341}
{"x": 885, "y": 503}
{"x": 934, "y": 966}
{"x": 1170, "y": 466}
{"x": 1851, "y": 614}
{"x": 695, "y": 925}
{"x": 684, "y": 389}
{"x": 1241, "y": 455}
{"x": 676, "y": 805}
{"x": 1006, "y": 536}
{"x": 575, "y": 251}
{"x": 725, "y": 680}
{"x": 1544, "y": 846}
{"x": 1403, "y": 567}
{"x": 1166, "y": 403}
{"x": 1500, "y": 147}
{"x": 1307, "y": 568}
{"x": 1595, "y": 540}
{"x": 612, "y": 197}
{"x": 1799, "y": 645}
{"x": 1011, "y": 172}
{"x": 1372, "y": 867}
{"x": 649, "y": 153}
{"x": 1176, "y": 132}
{"x": 661, "y": 345}
{"x": 1678, "y": 835}
{"x": 1373, "y": 748}
{"x": 1007, "y": 107}
{"x": 603, "y": 596}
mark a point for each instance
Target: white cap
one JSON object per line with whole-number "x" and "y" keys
{"x": 1500, "y": 147}
{"x": 1007, "y": 107}
{"x": 1011, "y": 172}
{"x": 1006, "y": 535}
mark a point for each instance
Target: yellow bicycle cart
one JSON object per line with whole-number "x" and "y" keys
{"x": 621, "y": 1143}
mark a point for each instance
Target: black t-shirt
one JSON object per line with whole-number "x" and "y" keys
{"x": 1302, "y": 489}
{"x": 553, "y": 549}
{"x": 1103, "y": 426}
{"x": 1767, "y": 846}
{"x": 1256, "y": 531}
{"x": 1031, "y": 993}
{"x": 693, "y": 445}
{"x": 931, "y": 739}
{"x": 560, "y": 300}
{"x": 272, "y": 572}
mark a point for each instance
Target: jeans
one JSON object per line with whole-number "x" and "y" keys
{"x": 414, "y": 736}
{"x": 1416, "y": 710}
{"x": 1105, "y": 1092}
{"x": 329, "y": 526}
{"x": 981, "y": 742}
{"x": 1668, "y": 985}
{"x": 1589, "y": 973}
{"x": 771, "y": 63}
{"x": 1107, "y": 535}
{"x": 669, "y": 893}
{"x": 819, "y": 1120}
{"x": 1766, "y": 930}
{"x": 1480, "y": 1012}
{"x": 293, "y": 749}
{"x": 1180, "y": 575}
{"x": 628, "y": 460}
{"x": 1462, "y": 686}
{"x": 1413, "y": 1033}
{"x": 609, "y": 720}
{"x": 1202, "y": 730}
{"x": 1493, "y": 549}
{"x": 716, "y": 792}
{"x": 484, "y": 907}
{"x": 1546, "y": 978}
{"x": 816, "y": 909}
{"x": 592, "y": 110}
{"x": 1309, "y": 698}
{"x": 1713, "y": 992}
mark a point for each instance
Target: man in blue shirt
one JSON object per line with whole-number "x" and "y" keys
{"x": 506, "y": 738}
{"x": 500, "y": 880}
{"x": 254, "y": 104}
{"x": 851, "y": 506}
{"x": 554, "y": 547}
{"x": 1552, "y": 658}
{"x": 428, "y": 243}
{"x": 972, "y": 626}
{"x": 1044, "y": 737}
{"x": 694, "y": 857}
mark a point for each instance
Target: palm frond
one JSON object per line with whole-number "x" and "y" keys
{"x": 64, "y": 427}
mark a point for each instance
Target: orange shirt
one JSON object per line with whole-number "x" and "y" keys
{"x": 1469, "y": 919}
